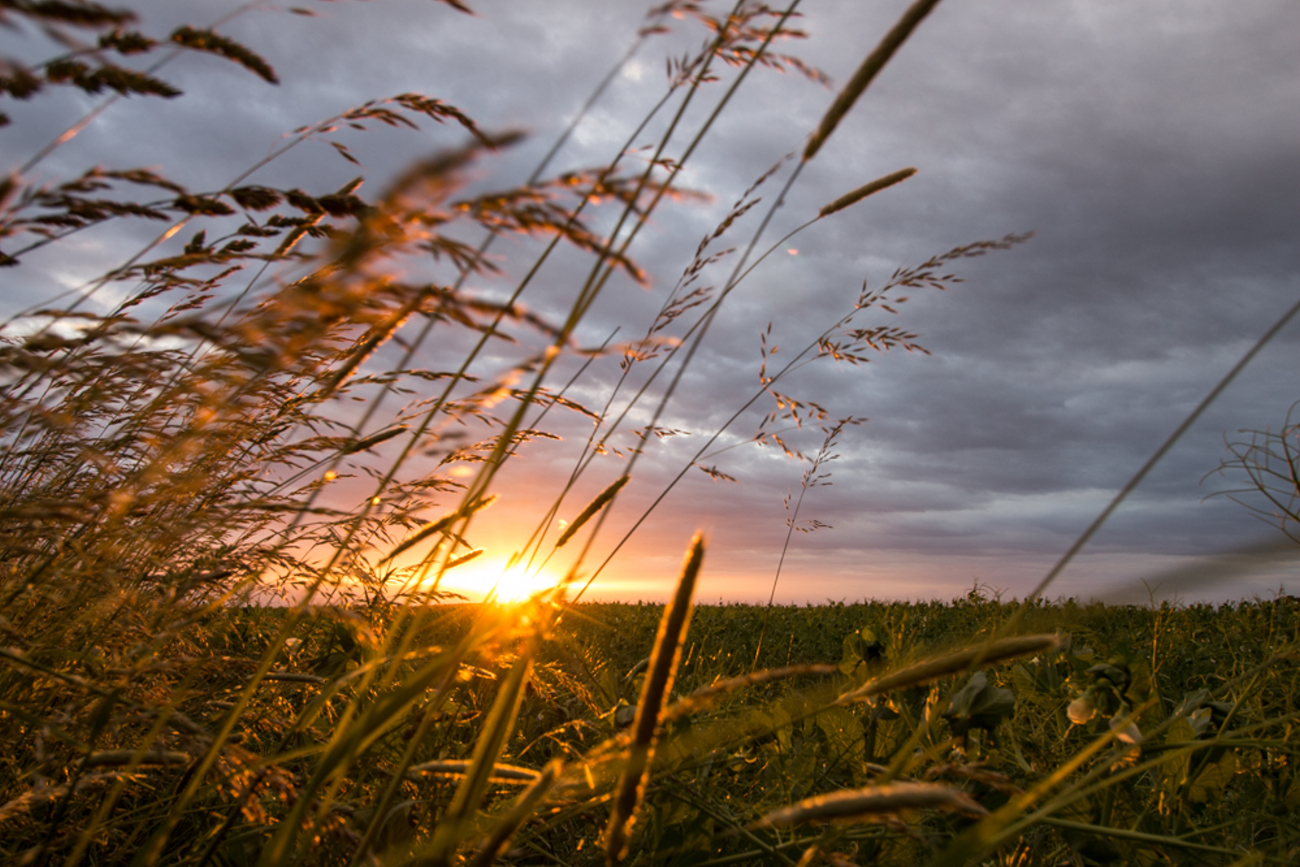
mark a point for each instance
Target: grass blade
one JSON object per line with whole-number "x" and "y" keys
{"x": 482, "y": 764}
{"x": 658, "y": 683}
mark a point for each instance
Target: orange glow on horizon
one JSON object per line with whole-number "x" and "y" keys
{"x": 496, "y": 579}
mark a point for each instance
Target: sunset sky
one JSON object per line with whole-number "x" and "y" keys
{"x": 1152, "y": 146}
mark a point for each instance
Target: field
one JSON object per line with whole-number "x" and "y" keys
{"x": 237, "y": 471}
{"x": 1124, "y": 735}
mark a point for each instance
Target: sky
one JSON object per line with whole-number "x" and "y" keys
{"x": 1149, "y": 146}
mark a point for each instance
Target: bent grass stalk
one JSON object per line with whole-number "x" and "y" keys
{"x": 929, "y": 670}
{"x": 868, "y": 804}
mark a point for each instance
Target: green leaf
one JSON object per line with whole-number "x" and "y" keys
{"x": 1117, "y": 675}
{"x": 979, "y": 705}
{"x": 844, "y": 734}
{"x": 1212, "y": 778}
{"x": 860, "y": 648}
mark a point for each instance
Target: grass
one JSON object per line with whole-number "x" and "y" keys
{"x": 250, "y": 422}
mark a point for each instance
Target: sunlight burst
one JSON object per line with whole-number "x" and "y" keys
{"x": 499, "y": 581}
{"x": 518, "y": 584}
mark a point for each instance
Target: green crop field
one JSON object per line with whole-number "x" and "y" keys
{"x": 1109, "y": 735}
{"x": 235, "y": 473}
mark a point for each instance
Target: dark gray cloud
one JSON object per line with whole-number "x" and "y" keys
{"x": 1150, "y": 145}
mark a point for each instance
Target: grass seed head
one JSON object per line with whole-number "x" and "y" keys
{"x": 658, "y": 684}
{"x": 872, "y": 803}
{"x": 601, "y": 500}
{"x": 439, "y": 526}
{"x": 870, "y": 67}
{"x": 852, "y": 198}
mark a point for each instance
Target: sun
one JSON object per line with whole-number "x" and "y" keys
{"x": 518, "y": 584}
{"x": 499, "y": 581}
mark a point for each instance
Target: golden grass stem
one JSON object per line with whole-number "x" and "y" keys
{"x": 499, "y": 773}
{"x": 523, "y": 807}
{"x": 482, "y": 763}
{"x": 658, "y": 683}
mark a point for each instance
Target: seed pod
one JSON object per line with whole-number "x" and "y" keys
{"x": 1082, "y": 709}
{"x": 1125, "y": 728}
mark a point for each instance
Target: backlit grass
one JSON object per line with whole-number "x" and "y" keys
{"x": 236, "y": 472}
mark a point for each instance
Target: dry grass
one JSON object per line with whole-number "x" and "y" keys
{"x": 250, "y": 423}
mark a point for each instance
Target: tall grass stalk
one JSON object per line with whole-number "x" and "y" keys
{"x": 228, "y": 508}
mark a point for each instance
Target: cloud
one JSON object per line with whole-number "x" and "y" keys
{"x": 1149, "y": 145}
